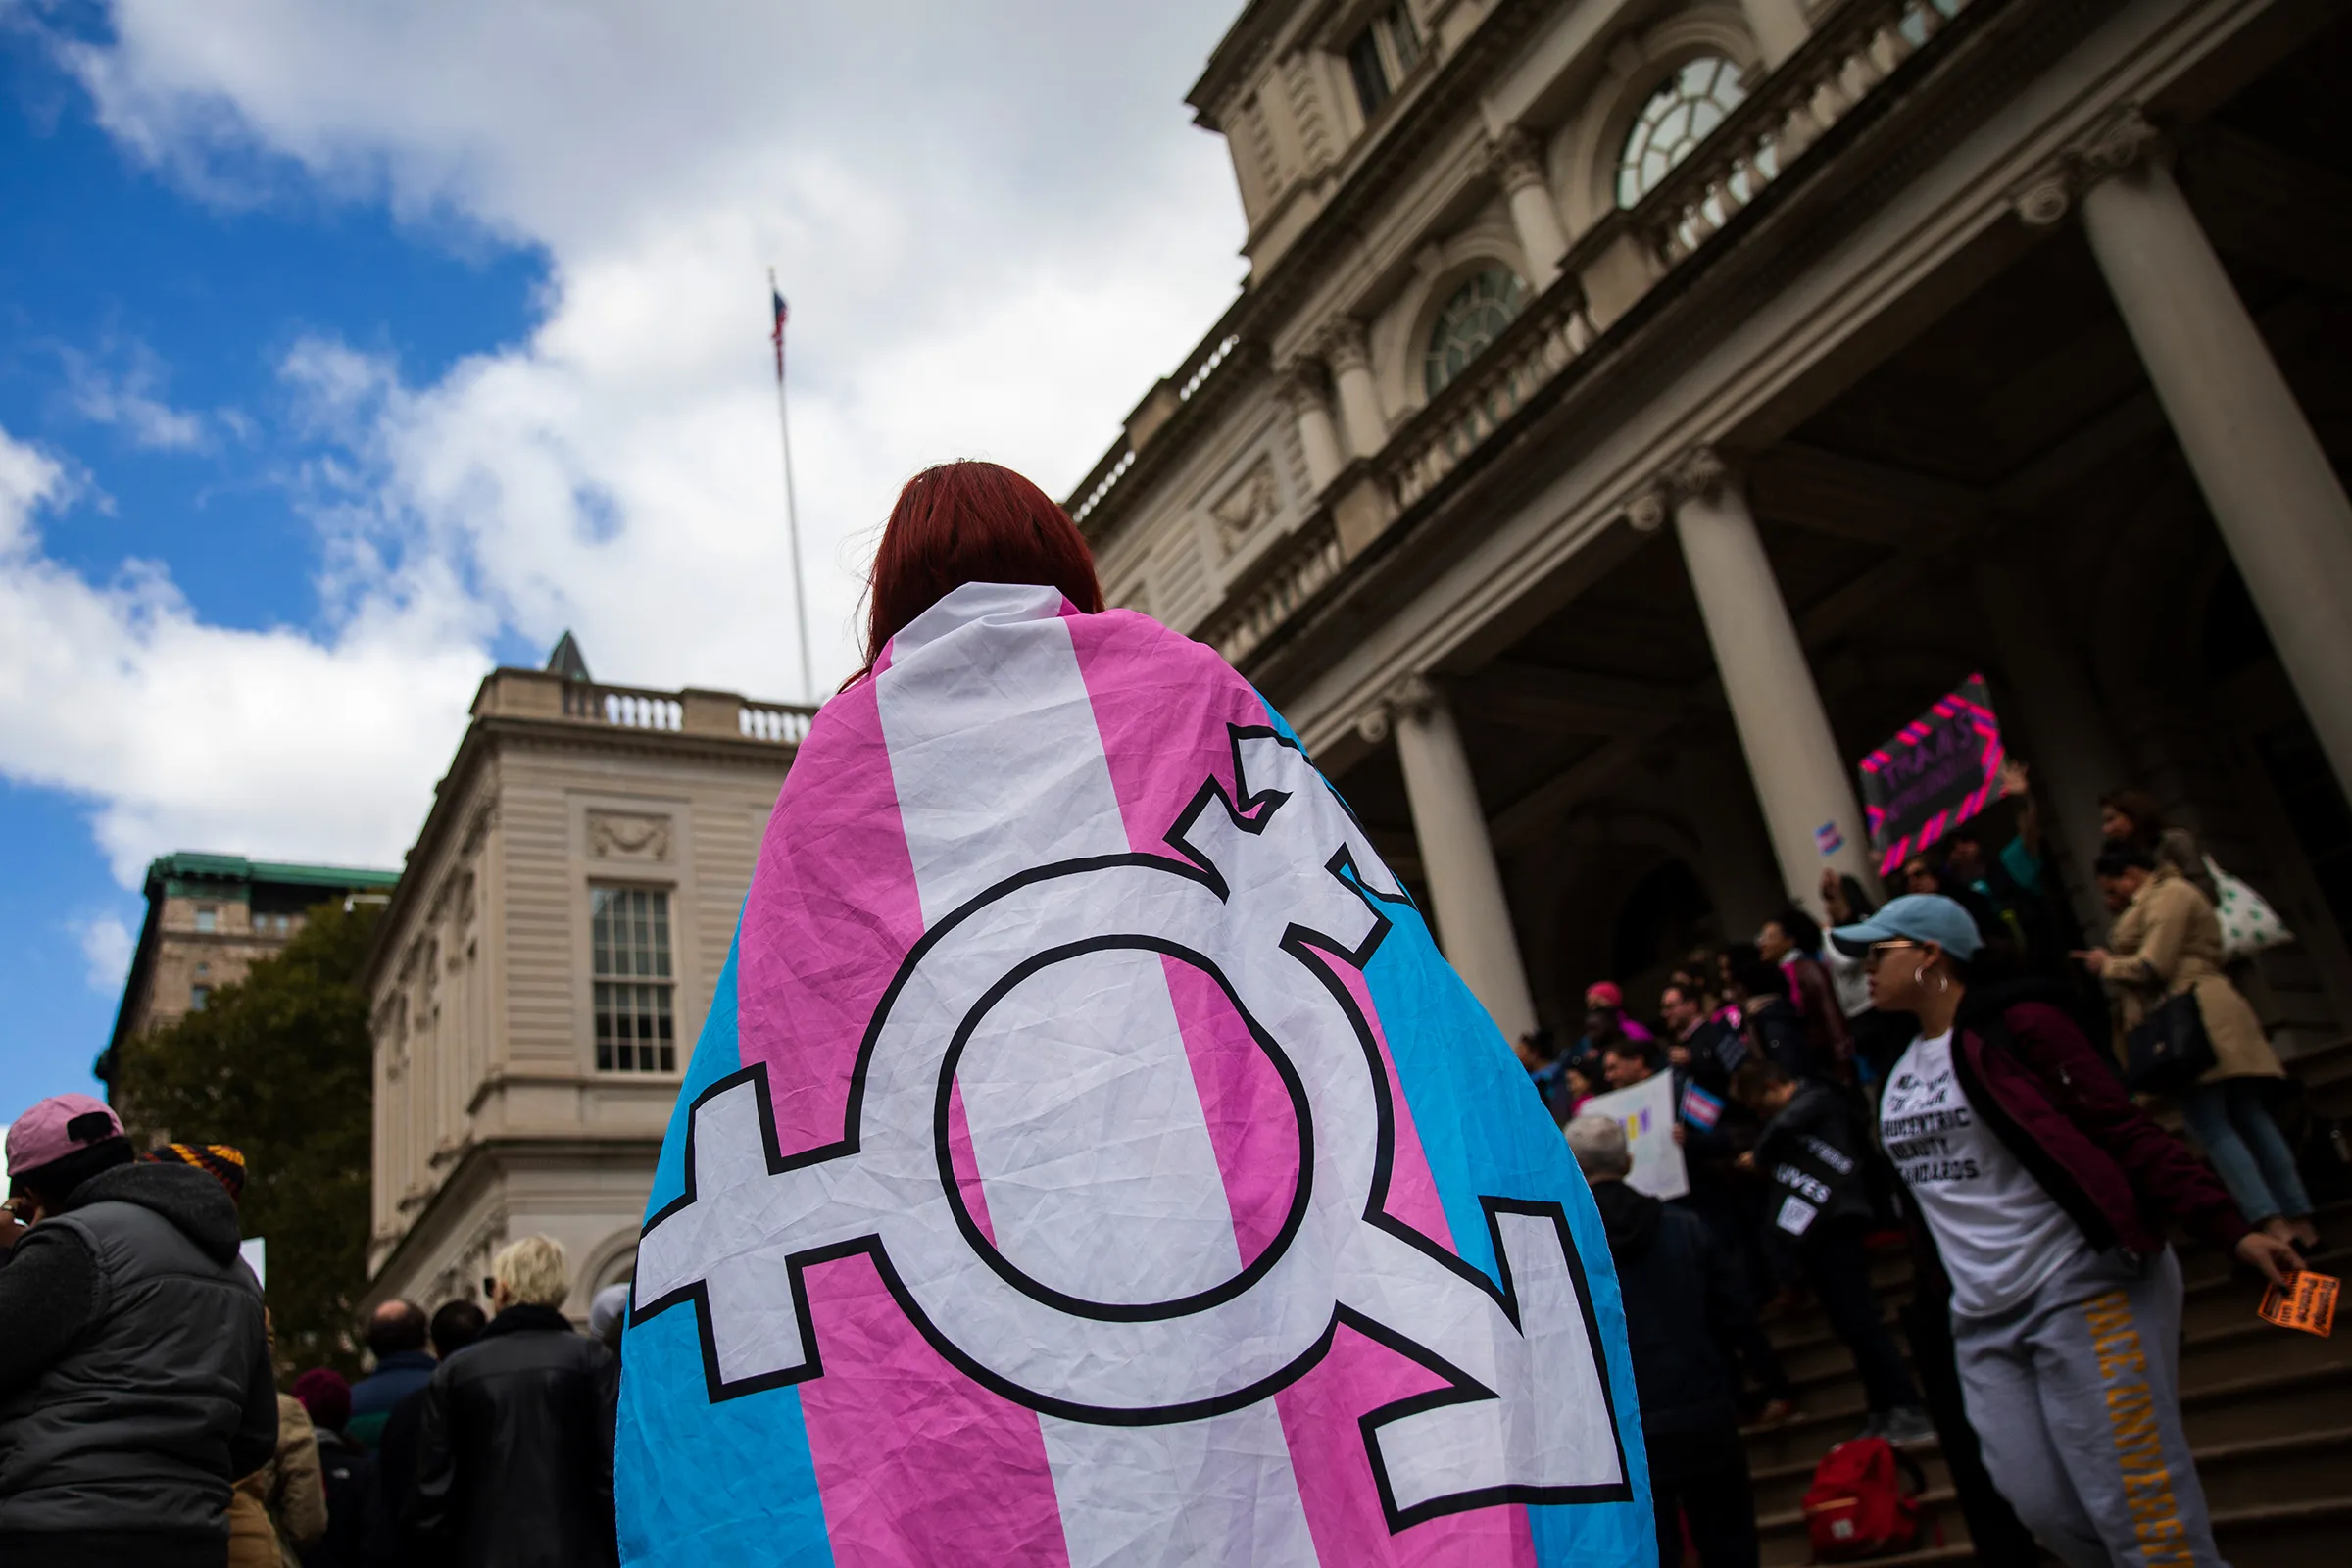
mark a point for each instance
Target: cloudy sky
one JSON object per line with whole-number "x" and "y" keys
{"x": 349, "y": 349}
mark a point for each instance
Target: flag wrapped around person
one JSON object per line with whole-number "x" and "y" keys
{"x": 1089, "y": 1159}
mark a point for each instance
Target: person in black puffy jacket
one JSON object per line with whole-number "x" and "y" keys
{"x": 134, "y": 1367}
{"x": 1681, "y": 1301}
{"x": 514, "y": 1450}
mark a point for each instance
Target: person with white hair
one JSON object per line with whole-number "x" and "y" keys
{"x": 515, "y": 1455}
{"x": 1683, "y": 1302}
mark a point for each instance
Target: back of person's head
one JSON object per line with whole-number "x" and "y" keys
{"x": 1598, "y": 1145}
{"x": 2121, "y": 858}
{"x": 455, "y": 1325}
{"x": 62, "y": 1142}
{"x": 1627, "y": 1047}
{"x": 533, "y": 1272}
{"x": 1755, "y": 1081}
{"x": 325, "y": 1397}
{"x": 394, "y": 1327}
{"x": 2141, "y": 810}
{"x": 971, "y": 521}
{"x": 1797, "y": 927}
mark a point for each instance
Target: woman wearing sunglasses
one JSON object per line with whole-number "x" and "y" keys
{"x": 2045, "y": 1193}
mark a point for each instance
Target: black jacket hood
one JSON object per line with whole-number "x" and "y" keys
{"x": 1631, "y": 1219}
{"x": 190, "y": 1199}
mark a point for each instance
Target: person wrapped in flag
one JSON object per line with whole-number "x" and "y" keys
{"x": 1089, "y": 1159}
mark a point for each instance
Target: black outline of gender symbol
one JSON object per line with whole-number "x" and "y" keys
{"x": 1253, "y": 814}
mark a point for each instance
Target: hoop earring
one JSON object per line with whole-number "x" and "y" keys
{"x": 1944, "y": 983}
{"x": 1919, "y": 976}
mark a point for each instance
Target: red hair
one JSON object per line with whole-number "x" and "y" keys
{"x": 971, "y": 521}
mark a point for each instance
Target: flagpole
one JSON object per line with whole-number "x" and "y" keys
{"x": 792, "y": 513}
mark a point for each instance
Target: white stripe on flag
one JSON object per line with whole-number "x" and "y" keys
{"x": 998, "y": 769}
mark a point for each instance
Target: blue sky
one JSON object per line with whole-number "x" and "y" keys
{"x": 347, "y": 351}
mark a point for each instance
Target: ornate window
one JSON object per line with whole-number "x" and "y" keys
{"x": 629, "y": 933}
{"x": 1473, "y": 319}
{"x": 1682, "y": 112}
{"x": 1383, "y": 54}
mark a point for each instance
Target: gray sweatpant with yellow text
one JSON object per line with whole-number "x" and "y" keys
{"x": 2076, "y": 1396}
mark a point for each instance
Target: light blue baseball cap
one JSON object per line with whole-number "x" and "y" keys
{"x": 1914, "y": 917}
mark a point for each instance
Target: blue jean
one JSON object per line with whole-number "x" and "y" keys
{"x": 2247, "y": 1148}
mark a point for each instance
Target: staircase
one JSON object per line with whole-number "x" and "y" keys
{"x": 2269, "y": 1410}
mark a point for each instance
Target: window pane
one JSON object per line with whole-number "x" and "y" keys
{"x": 1371, "y": 78}
{"x": 1472, "y": 320}
{"x": 1679, "y": 116}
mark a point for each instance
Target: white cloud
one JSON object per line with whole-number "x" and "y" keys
{"x": 106, "y": 944}
{"x": 187, "y": 735}
{"x": 996, "y": 225}
{"x": 126, "y": 400}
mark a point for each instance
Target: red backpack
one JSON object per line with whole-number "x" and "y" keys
{"x": 1858, "y": 1507}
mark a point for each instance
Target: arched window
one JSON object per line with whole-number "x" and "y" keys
{"x": 1682, "y": 112}
{"x": 1473, "y": 319}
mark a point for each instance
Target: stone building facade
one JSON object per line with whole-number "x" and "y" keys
{"x": 210, "y": 918}
{"x": 541, "y": 975}
{"x": 1637, "y": 410}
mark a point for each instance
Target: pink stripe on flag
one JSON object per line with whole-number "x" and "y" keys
{"x": 825, "y": 927}
{"x": 1321, "y": 1413}
{"x": 1135, "y": 685}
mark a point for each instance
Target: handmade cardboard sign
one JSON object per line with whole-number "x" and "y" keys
{"x": 1089, "y": 1159}
{"x": 1647, "y": 1112}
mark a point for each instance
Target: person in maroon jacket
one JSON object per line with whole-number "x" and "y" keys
{"x": 2046, "y": 1193}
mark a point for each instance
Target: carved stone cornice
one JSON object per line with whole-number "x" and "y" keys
{"x": 1407, "y": 697}
{"x": 2120, "y": 142}
{"x": 1516, "y": 161}
{"x": 1296, "y": 381}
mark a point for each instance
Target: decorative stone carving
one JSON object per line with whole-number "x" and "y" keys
{"x": 1342, "y": 345}
{"x": 1246, "y": 508}
{"x": 1408, "y": 696}
{"x": 2119, "y": 143}
{"x": 1516, "y": 161}
{"x": 628, "y": 836}
{"x": 1696, "y": 474}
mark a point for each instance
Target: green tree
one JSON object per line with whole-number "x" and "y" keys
{"x": 280, "y": 1066}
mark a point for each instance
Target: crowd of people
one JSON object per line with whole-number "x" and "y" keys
{"x": 1943, "y": 1076}
{"x": 139, "y": 1407}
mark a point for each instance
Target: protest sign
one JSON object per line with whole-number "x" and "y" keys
{"x": 1931, "y": 775}
{"x": 1647, "y": 1112}
{"x": 2306, "y": 1303}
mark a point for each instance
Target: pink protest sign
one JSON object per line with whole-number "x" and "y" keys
{"x": 1933, "y": 775}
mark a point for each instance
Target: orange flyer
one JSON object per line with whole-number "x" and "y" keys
{"x": 2307, "y": 1301}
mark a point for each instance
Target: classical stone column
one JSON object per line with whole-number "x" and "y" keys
{"x": 1457, "y": 858}
{"x": 1801, "y": 781}
{"x": 1519, "y": 170}
{"x": 2064, "y": 734}
{"x": 1778, "y": 26}
{"x": 1304, "y": 399}
{"x": 1352, "y": 374}
{"x": 2279, "y": 503}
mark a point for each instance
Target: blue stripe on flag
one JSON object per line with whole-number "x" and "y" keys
{"x": 1486, "y": 1132}
{"x": 738, "y": 1484}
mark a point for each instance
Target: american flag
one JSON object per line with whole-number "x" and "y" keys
{"x": 783, "y": 313}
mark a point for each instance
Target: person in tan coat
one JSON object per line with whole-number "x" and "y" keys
{"x": 279, "y": 1512}
{"x": 2166, "y": 941}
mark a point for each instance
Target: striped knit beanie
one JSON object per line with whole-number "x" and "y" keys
{"x": 227, "y": 1164}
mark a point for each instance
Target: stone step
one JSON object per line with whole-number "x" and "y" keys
{"x": 2302, "y": 1535}
{"x": 1784, "y": 1539}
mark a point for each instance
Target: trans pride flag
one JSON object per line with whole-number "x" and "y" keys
{"x": 1089, "y": 1159}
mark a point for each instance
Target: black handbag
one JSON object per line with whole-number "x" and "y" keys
{"x": 2170, "y": 1049}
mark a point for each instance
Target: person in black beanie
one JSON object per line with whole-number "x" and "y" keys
{"x": 135, "y": 1382}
